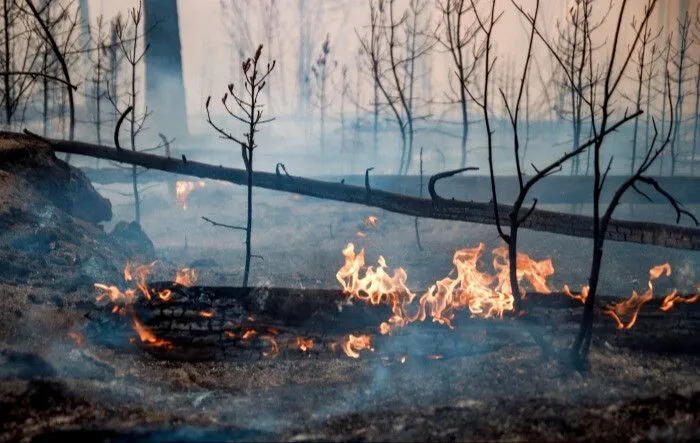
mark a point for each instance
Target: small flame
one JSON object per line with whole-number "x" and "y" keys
{"x": 630, "y": 308}
{"x": 361, "y": 234}
{"x": 184, "y": 188}
{"x": 206, "y": 314}
{"x": 671, "y": 299}
{"x": 403, "y": 359}
{"x": 304, "y": 345}
{"x": 353, "y": 345}
{"x": 581, "y": 296}
{"x": 165, "y": 294}
{"x": 186, "y": 277}
{"x": 248, "y": 334}
{"x": 371, "y": 221}
{"x": 149, "y": 337}
{"x": 230, "y": 334}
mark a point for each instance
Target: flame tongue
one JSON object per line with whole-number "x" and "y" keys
{"x": 630, "y": 308}
{"x": 484, "y": 295}
{"x": 123, "y": 300}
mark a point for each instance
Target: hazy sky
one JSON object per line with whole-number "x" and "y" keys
{"x": 208, "y": 60}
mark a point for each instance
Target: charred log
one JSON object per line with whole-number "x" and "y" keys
{"x": 230, "y": 323}
{"x": 669, "y": 236}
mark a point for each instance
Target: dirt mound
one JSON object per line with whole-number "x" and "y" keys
{"x": 49, "y": 222}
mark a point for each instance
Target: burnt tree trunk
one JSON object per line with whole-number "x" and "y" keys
{"x": 165, "y": 88}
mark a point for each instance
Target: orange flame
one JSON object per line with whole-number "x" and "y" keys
{"x": 149, "y": 337}
{"x": 581, "y": 296}
{"x": 671, "y": 299}
{"x": 184, "y": 188}
{"x": 248, "y": 334}
{"x": 630, "y": 308}
{"x": 304, "y": 344}
{"x": 371, "y": 221}
{"x": 123, "y": 300}
{"x": 483, "y": 294}
{"x": 185, "y": 277}
{"x": 353, "y": 345}
{"x": 206, "y": 314}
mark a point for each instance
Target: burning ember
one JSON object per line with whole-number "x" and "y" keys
{"x": 184, "y": 188}
{"x": 304, "y": 345}
{"x": 186, "y": 277}
{"x": 353, "y": 345}
{"x": 123, "y": 300}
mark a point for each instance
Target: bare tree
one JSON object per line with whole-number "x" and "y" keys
{"x": 322, "y": 70}
{"x": 680, "y": 79}
{"x": 393, "y": 46}
{"x": 129, "y": 40}
{"x": 248, "y": 110}
{"x": 60, "y": 55}
{"x": 457, "y": 37}
{"x": 644, "y": 59}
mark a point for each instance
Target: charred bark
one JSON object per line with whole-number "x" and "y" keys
{"x": 657, "y": 234}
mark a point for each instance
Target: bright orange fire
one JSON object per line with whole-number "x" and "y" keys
{"x": 206, "y": 314}
{"x": 629, "y": 309}
{"x": 184, "y": 188}
{"x": 484, "y": 295}
{"x": 304, "y": 344}
{"x": 149, "y": 337}
{"x": 186, "y": 277}
{"x": 353, "y": 345}
{"x": 581, "y": 296}
{"x": 671, "y": 299}
{"x": 123, "y": 300}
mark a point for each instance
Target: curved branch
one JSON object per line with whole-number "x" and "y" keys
{"x": 441, "y": 175}
{"x": 119, "y": 125}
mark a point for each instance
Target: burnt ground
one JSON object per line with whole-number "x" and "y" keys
{"x": 639, "y": 386}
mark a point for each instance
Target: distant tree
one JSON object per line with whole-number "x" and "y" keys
{"x": 247, "y": 110}
{"x": 644, "y": 59}
{"x": 322, "y": 70}
{"x": 457, "y": 36}
{"x": 130, "y": 44}
{"x": 393, "y": 46}
{"x": 681, "y": 78}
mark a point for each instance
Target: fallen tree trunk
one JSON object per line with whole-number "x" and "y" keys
{"x": 676, "y": 237}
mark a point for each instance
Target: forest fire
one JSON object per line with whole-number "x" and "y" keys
{"x": 484, "y": 295}
{"x": 123, "y": 300}
{"x": 183, "y": 189}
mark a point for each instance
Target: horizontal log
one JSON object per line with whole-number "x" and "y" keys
{"x": 211, "y": 322}
{"x": 557, "y": 189}
{"x": 677, "y": 237}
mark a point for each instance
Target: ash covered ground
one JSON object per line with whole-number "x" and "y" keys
{"x": 53, "y": 387}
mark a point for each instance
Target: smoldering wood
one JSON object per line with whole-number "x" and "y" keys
{"x": 669, "y": 236}
{"x": 327, "y": 316}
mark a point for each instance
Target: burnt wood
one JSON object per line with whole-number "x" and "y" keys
{"x": 326, "y": 317}
{"x": 677, "y": 237}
